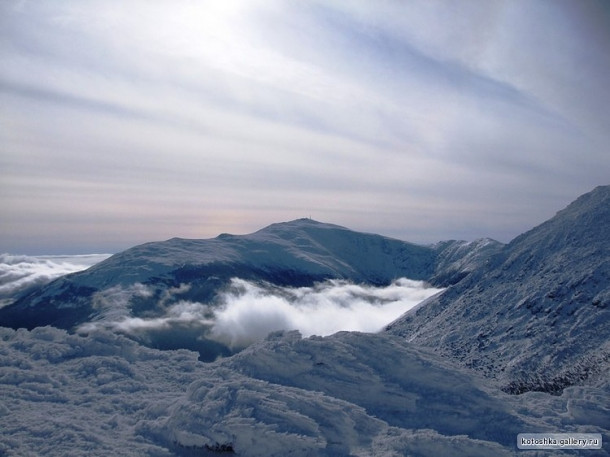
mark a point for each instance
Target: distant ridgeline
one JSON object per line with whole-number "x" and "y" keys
{"x": 297, "y": 253}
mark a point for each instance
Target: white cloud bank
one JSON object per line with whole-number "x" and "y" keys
{"x": 250, "y": 311}
{"x": 19, "y": 273}
{"x": 247, "y": 311}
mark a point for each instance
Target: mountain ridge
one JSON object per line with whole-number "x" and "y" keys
{"x": 295, "y": 253}
{"x": 535, "y": 316}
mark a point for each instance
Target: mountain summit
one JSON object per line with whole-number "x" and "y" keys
{"x": 295, "y": 253}
{"x": 536, "y": 316}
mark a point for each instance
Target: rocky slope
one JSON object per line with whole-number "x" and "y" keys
{"x": 536, "y": 316}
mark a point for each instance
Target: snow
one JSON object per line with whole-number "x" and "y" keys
{"x": 355, "y": 367}
{"x": 456, "y": 259}
{"x": 347, "y": 394}
{"x": 66, "y": 395}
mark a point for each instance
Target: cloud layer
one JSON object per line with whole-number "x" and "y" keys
{"x": 21, "y": 273}
{"x": 250, "y": 311}
{"x": 247, "y": 312}
{"x": 421, "y": 120}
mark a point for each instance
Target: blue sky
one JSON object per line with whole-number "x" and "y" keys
{"x": 127, "y": 122}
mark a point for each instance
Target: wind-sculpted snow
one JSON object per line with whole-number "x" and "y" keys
{"x": 348, "y": 394}
{"x": 405, "y": 386}
{"x": 246, "y": 312}
{"x": 64, "y": 395}
{"x": 537, "y": 316}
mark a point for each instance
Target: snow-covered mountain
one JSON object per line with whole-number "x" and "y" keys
{"x": 537, "y": 315}
{"x": 457, "y": 259}
{"x": 530, "y": 318}
{"x": 296, "y": 253}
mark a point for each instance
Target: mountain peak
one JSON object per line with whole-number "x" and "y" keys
{"x": 299, "y": 224}
{"x": 295, "y": 253}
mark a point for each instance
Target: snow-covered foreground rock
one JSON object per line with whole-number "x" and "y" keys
{"x": 349, "y": 394}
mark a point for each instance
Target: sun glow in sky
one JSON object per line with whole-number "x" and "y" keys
{"x": 126, "y": 122}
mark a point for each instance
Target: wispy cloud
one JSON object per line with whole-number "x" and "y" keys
{"x": 191, "y": 119}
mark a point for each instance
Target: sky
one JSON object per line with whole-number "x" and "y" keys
{"x": 128, "y": 122}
